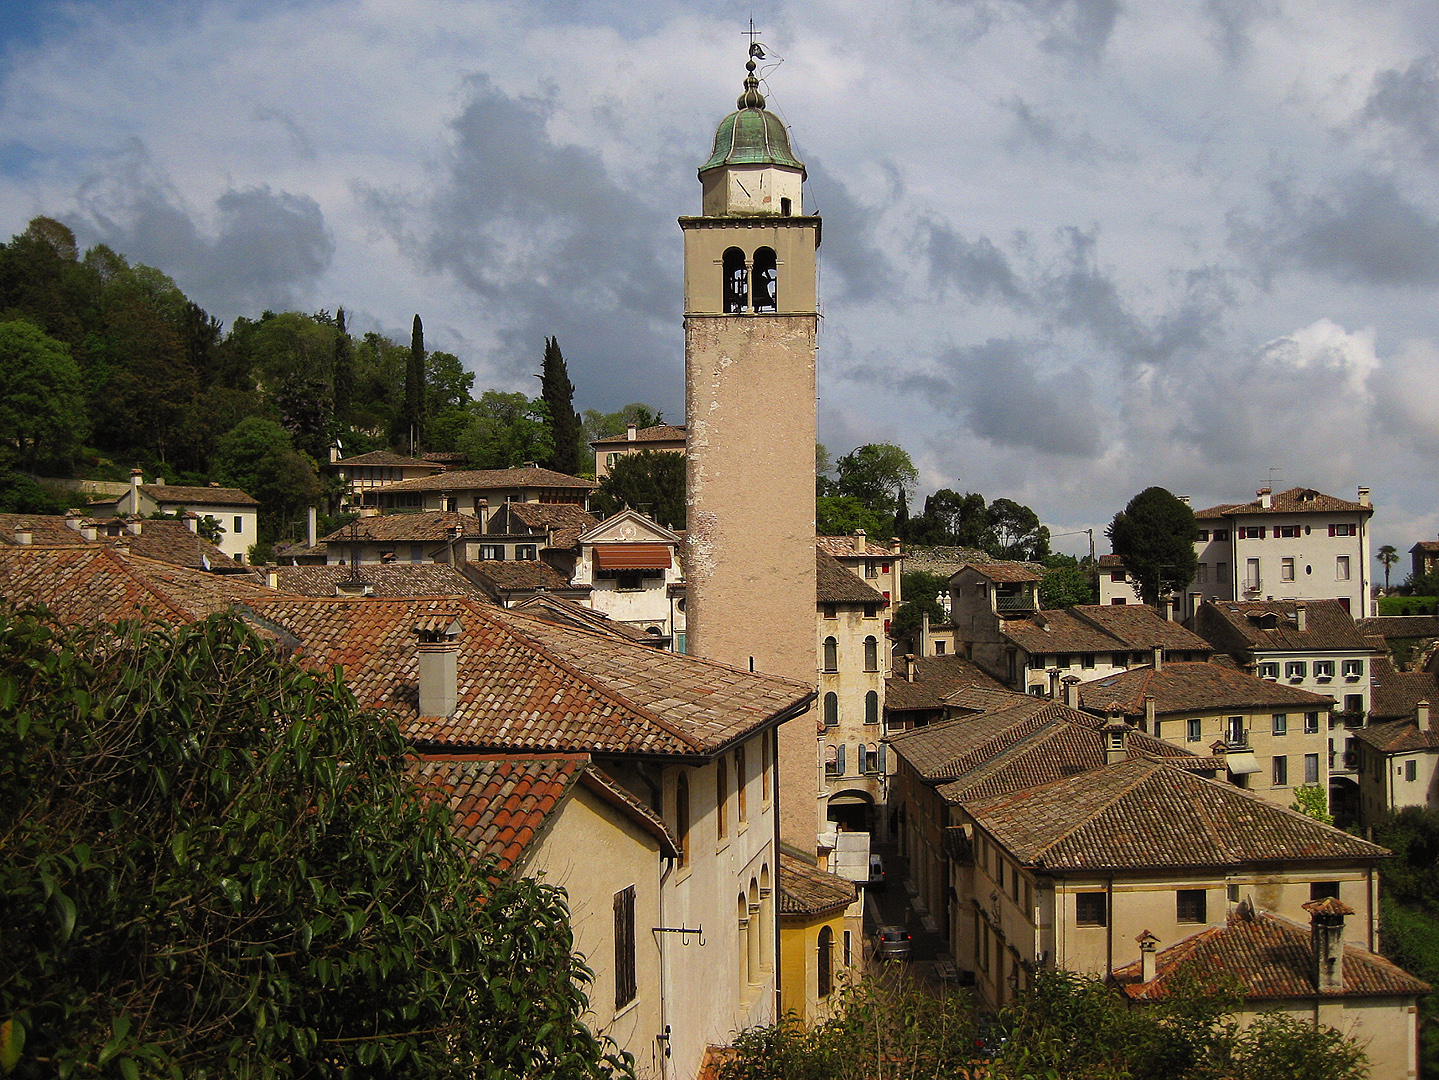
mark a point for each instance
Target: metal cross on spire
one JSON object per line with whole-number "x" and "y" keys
{"x": 755, "y": 48}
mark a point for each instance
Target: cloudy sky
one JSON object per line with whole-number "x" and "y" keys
{"x": 1072, "y": 248}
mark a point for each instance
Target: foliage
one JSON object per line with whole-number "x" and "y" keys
{"x": 1409, "y": 911}
{"x": 1017, "y": 531}
{"x": 258, "y": 457}
{"x": 598, "y": 425}
{"x": 215, "y": 866}
{"x": 1154, "y": 537}
{"x": 1065, "y": 584}
{"x": 908, "y": 618}
{"x": 1004, "y": 528}
{"x": 841, "y": 515}
{"x": 652, "y": 482}
{"x": 1064, "y": 1026}
{"x": 21, "y": 495}
{"x": 1388, "y": 555}
{"x": 42, "y": 415}
{"x": 505, "y": 430}
{"x": 343, "y": 369}
{"x": 558, "y": 394}
{"x": 1425, "y": 601}
{"x": 877, "y": 474}
{"x": 447, "y": 397}
{"x": 1312, "y": 800}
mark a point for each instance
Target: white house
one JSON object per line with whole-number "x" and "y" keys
{"x": 631, "y": 566}
{"x": 237, "y": 512}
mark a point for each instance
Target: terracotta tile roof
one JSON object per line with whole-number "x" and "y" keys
{"x": 167, "y": 541}
{"x": 1393, "y": 694}
{"x": 935, "y": 677}
{"x": 1294, "y": 501}
{"x": 1194, "y": 687}
{"x": 1144, "y": 813}
{"x": 531, "y": 685}
{"x": 805, "y": 889}
{"x": 1098, "y": 628}
{"x": 518, "y": 574}
{"x": 1111, "y": 562}
{"x": 836, "y": 585}
{"x": 982, "y": 699}
{"x": 386, "y": 457}
{"x": 98, "y": 583}
{"x": 1399, "y": 626}
{"x": 566, "y": 521}
{"x": 1004, "y": 571}
{"x": 1273, "y": 958}
{"x": 383, "y": 579}
{"x": 1400, "y": 736}
{"x": 175, "y": 495}
{"x": 658, "y": 433}
{"x": 432, "y": 526}
{"x": 842, "y": 547}
{"x": 1428, "y": 547}
{"x": 489, "y": 480}
{"x": 1239, "y": 626}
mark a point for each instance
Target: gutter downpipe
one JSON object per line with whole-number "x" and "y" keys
{"x": 667, "y": 868}
{"x": 1109, "y": 928}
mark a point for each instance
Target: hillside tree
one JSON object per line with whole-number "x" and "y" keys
{"x": 652, "y": 482}
{"x": 414, "y": 415}
{"x": 1154, "y": 538}
{"x": 42, "y": 410}
{"x": 558, "y": 394}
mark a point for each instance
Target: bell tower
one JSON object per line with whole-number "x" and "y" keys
{"x": 750, "y": 321}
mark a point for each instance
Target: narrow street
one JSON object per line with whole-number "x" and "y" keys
{"x": 893, "y": 905}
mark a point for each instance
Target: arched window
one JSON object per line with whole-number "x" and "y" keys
{"x": 739, "y": 784}
{"x": 871, "y": 654}
{"x": 764, "y": 766}
{"x": 831, "y": 709}
{"x": 756, "y": 949}
{"x": 826, "y": 948}
{"x": 766, "y": 280}
{"x": 871, "y": 707}
{"x": 743, "y": 938}
{"x": 722, "y": 797}
{"x": 831, "y": 654}
{"x": 682, "y": 817}
{"x": 736, "y": 282}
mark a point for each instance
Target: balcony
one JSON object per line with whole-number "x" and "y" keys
{"x": 1022, "y": 601}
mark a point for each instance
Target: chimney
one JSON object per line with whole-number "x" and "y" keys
{"x": 1266, "y": 498}
{"x": 272, "y": 576}
{"x": 310, "y": 527}
{"x": 1071, "y": 690}
{"x": 160, "y": 482}
{"x": 1148, "y": 965}
{"x": 88, "y": 530}
{"x": 23, "y": 536}
{"x": 630, "y": 434}
{"x": 1424, "y": 718}
{"x": 192, "y": 521}
{"x": 74, "y": 518}
{"x": 909, "y": 667}
{"x": 1054, "y": 674}
{"x": 925, "y": 649}
{"x": 1301, "y": 617}
{"x": 439, "y": 664}
{"x": 1364, "y": 496}
{"x": 1326, "y": 936}
{"x": 1158, "y": 657}
{"x": 894, "y": 546}
{"x": 134, "y": 525}
{"x": 1150, "y": 723}
{"x": 136, "y": 479}
{"x": 1183, "y": 498}
{"x": 860, "y": 546}
{"x": 1116, "y": 736}
{"x": 334, "y": 453}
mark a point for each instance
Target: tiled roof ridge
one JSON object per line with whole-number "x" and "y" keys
{"x": 107, "y": 551}
{"x": 1027, "y": 733}
{"x": 1146, "y": 763}
{"x": 598, "y": 687}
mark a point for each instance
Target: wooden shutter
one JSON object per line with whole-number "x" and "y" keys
{"x": 624, "y": 947}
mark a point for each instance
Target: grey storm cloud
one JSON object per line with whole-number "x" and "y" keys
{"x": 1231, "y": 20}
{"x": 1364, "y": 230}
{"x": 268, "y": 248}
{"x": 1077, "y": 29}
{"x": 1002, "y": 396}
{"x": 977, "y": 269}
{"x": 1409, "y": 101}
{"x": 850, "y": 247}
{"x": 550, "y": 245}
{"x": 1032, "y": 128}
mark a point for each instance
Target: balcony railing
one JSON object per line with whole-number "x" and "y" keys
{"x": 1023, "y": 602}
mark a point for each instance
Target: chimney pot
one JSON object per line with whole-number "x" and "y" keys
{"x": 1148, "y": 957}
{"x": 1266, "y": 498}
{"x": 1301, "y": 617}
{"x": 272, "y": 576}
{"x": 909, "y": 667}
{"x": 439, "y": 647}
{"x": 1116, "y": 736}
{"x": 1326, "y": 935}
{"x": 74, "y": 518}
{"x": 1425, "y": 718}
{"x": 192, "y": 521}
{"x": 1159, "y": 658}
{"x": 860, "y": 546}
{"x": 630, "y": 433}
{"x": 1150, "y": 713}
{"x": 1363, "y": 496}
{"x": 23, "y": 536}
{"x": 160, "y": 482}
{"x": 1071, "y": 690}
{"x": 88, "y": 530}
{"x": 311, "y": 530}
{"x": 134, "y": 525}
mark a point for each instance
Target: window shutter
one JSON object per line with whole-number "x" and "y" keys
{"x": 839, "y": 760}
{"x": 1263, "y": 531}
{"x": 882, "y": 757}
{"x": 1331, "y": 530}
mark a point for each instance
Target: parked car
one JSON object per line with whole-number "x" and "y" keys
{"x": 876, "y": 873}
{"x": 989, "y": 1036}
{"x": 894, "y": 943}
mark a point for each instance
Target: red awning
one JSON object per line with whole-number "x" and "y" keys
{"x": 632, "y": 556}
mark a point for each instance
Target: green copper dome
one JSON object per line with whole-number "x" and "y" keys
{"x": 751, "y": 136}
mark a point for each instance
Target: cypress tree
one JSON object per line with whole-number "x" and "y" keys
{"x": 559, "y": 397}
{"x": 344, "y": 370}
{"x": 415, "y": 387}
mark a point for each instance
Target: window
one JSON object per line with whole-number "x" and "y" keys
{"x": 1221, "y": 534}
{"x": 1087, "y": 660}
{"x": 939, "y": 648}
{"x": 1281, "y": 771}
{"x": 417, "y": 553}
{"x": 1221, "y": 573}
{"x": 1311, "y": 723}
{"x": 1203, "y": 535}
{"x": 1089, "y": 909}
{"x": 981, "y": 931}
{"x": 682, "y": 817}
{"x": 831, "y": 709}
{"x": 1201, "y": 575}
{"x": 1251, "y": 573}
{"x": 1341, "y": 568}
{"x": 721, "y": 798}
{"x": 1234, "y": 730}
{"x": 736, "y": 282}
{"x": 1191, "y": 730}
{"x": 527, "y": 552}
{"x": 1311, "y": 768}
{"x": 1295, "y": 669}
{"x": 871, "y": 707}
{"x": 1320, "y": 890}
{"x": 871, "y": 568}
{"x": 1116, "y": 575}
{"x": 1191, "y": 906}
{"x": 740, "y": 781}
{"x": 610, "y": 460}
{"x": 1344, "y": 530}
{"x": 1014, "y": 883}
{"x": 1411, "y": 770}
{"x": 830, "y": 611}
{"x": 1286, "y": 569}
{"x": 1324, "y": 669}
{"x": 871, "y": 758}
{"x": 629, "y": 580}
{"x": 239, "y": 525}
{"x": 871, "y": 654}
{"x": 624, "y": 947}
{"x": 1286, "y": 530}
{"x": 1232, "y": 892}
{"x": 1353, "y": 669}
{"x": 847, "y": 960}
{"x": 766, "y": 281}
{"x": 1269, "y": 669}
{"x": 492, "y": 552}
{"x": 1280, "y": 724}
{"x": 871, "y": 611}
{"x": 1251, "y": 532}
{"x": 764, "y": 766}
{"x": 831, "y": 654}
